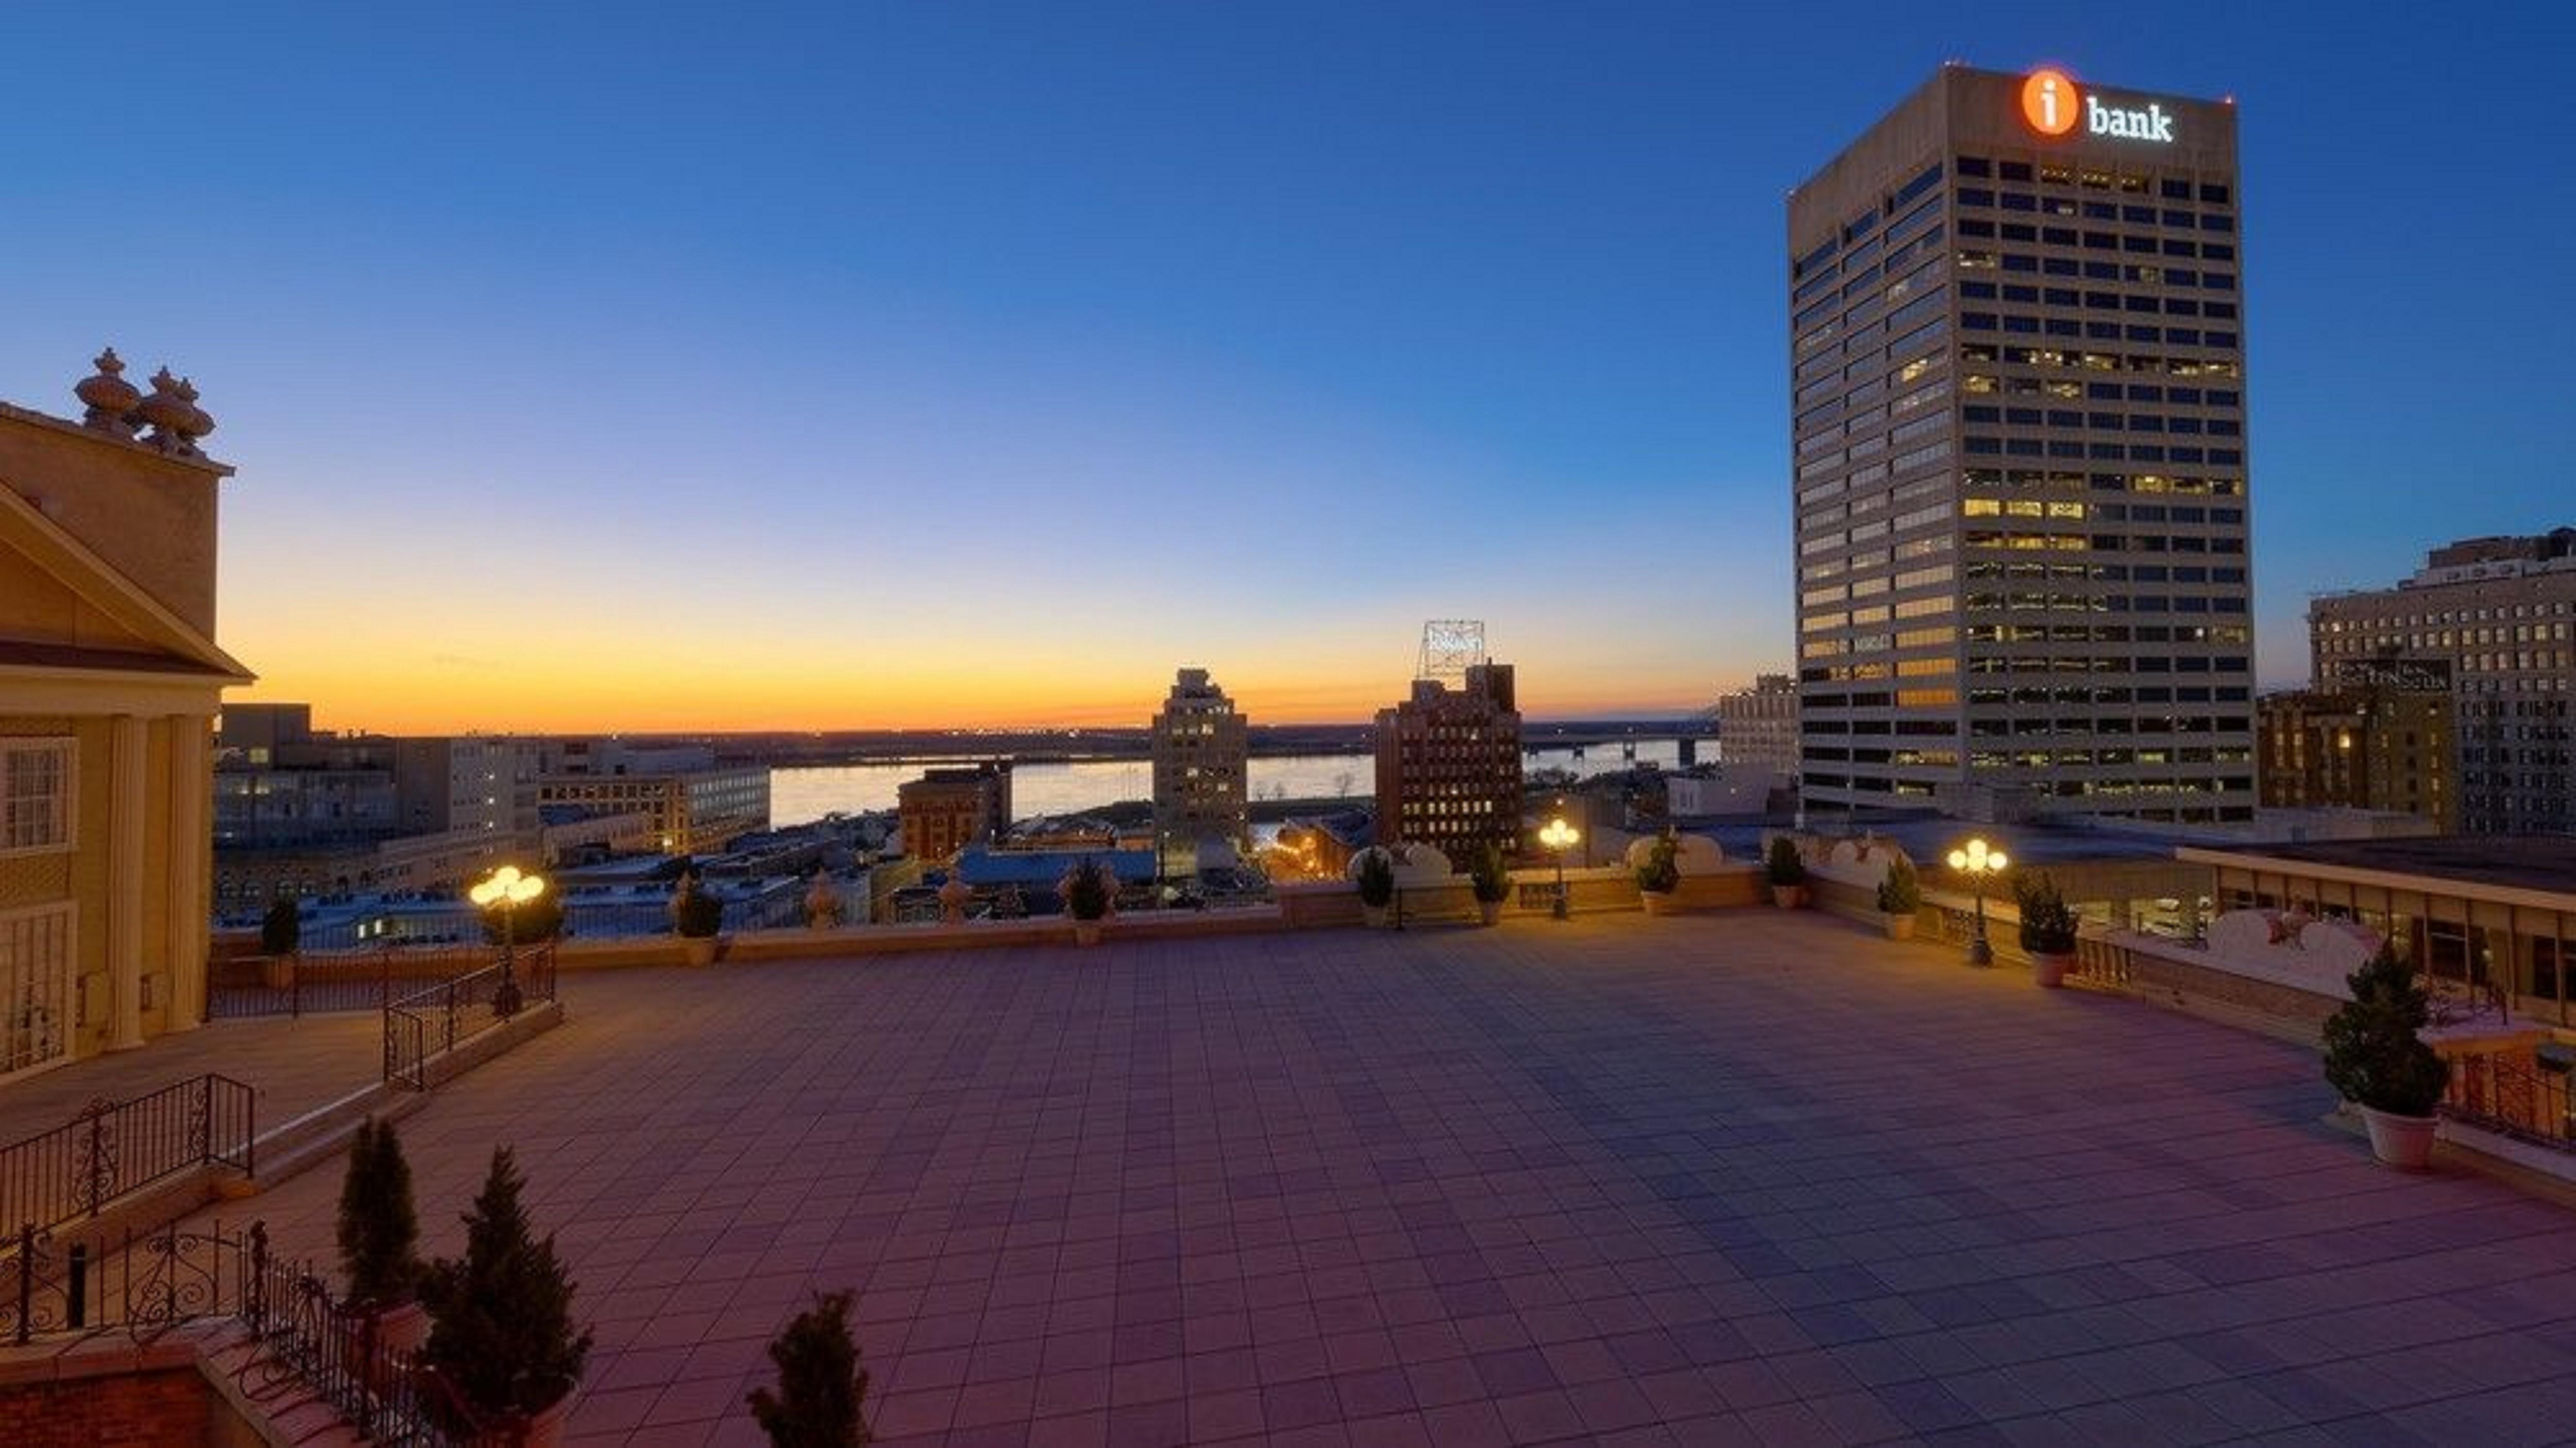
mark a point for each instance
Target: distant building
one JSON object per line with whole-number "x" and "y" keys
{"x": 482, "y": 783}
{"x": 1202, "y": 785}
{"x": 1449, "y": 765}
{"x": 694, "y": 811}
{"x": 110, "y": 679}
{"x": 1757, "y": 728}
{"x": 946, "y": 810}
{"x": 279, "y": 785}
{"x": 2373, "y": 749}
{"x": 2488, "y": 619}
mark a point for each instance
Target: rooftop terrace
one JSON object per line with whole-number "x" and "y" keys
{"x": 1735, "y": 1177}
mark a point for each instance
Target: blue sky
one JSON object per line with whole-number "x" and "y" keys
{"x": 874, "y": 365}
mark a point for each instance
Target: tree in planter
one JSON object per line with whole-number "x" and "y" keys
{"x": 1490, "y": 874}
{"x": 378, "y": 1233}
{"x": 529, "y": 923}
{"x": 2047, "y": 926}
{"x": 1661, "y": 871}
{"x": 1088, "y": 889}
{"x": 697, "y": 912}
{"x": 501, "y": 1335}
{"x": 2375, "y": 1059}
{"x": 821, "y": 1386}
{"x": 1786, "y": 870}
{"x": 1900, "y": 893}
{"x": 281, "y": 929}
{"x": 1375, "y": 875}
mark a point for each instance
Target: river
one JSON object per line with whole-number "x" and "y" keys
{"x": 801, "y": 795}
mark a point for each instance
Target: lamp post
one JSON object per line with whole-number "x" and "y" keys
{"x": 1559, "y": 837}
{"x": 507, "y": 889}
{"x": 1978, "y": 862}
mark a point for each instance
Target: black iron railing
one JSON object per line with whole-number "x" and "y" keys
{"x": 428, "y": 1023}
{"x": 2529, "y": 1105}
{"x": 363, "y": 979}
{"x": 309, "y": 1344}
{"x": 115, "y": 1148}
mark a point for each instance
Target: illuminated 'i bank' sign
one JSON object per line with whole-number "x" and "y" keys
{"x": 2053, "y": 105}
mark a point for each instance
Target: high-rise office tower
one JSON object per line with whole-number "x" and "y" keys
{"x": 1202, "y": 767}
{"x": 2018, "y": 421}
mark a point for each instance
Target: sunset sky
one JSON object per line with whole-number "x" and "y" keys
{"x": 864, "y": 366}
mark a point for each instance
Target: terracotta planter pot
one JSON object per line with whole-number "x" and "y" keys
{"x": 1788, "y": 897}
{"x": 2050, "y": 970}
{"x": 543, "y": 1428}
{"x": 1899, "y": 927}
{"x": 1491, "y": 911}
{"x": 2404, "y": 1142}
{"x": 701, "y": 949}
{"x": 277, "y": 972}
{"x": 1658, "y": 902}
{"x": 1086, "y": 932}
{"x": 1374, "y": 915}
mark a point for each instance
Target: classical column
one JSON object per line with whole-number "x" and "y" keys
{"x": 183, "y": 951}
{"x": 129, "y": 813}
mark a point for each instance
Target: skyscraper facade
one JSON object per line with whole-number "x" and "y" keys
{"x": 1202, "y": 772}
{"x": 2486, "y": 620}
{"x": 2018, "y": 425}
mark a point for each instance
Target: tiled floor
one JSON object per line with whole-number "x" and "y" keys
{"x": 1728, "y": 1178}
{"x": 293, "y": 1065}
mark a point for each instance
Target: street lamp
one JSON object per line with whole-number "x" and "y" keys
{"x": 509, "y": 890}
{"x": 1559, "y": 837}
{"x": 1979, "y": 862}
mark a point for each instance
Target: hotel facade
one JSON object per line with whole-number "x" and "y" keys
{"x": 2018, "y": 425}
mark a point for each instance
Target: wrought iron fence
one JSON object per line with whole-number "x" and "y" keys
{"x": 366, "y": 979}
{"x": 2530, "y": 1105}
{"x": 159, "y": 1280}
{"x": 114, "y": 1148}
{"x": 429, "y": 1023}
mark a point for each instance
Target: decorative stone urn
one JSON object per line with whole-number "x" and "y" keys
{"x": 954, "y": 896}
{"x": 2049, "y": 968}
{"x": 822, "y": 903}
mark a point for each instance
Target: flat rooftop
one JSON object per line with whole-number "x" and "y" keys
{"x": 2526, "y": 862}
{"x": 1749, "y": 1176}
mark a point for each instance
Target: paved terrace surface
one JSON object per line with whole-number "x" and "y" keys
{"x": 293, "y": 1066}
{"x": 1731, "y": 1178}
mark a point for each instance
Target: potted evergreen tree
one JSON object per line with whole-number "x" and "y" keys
{"x": 697, "y": 913}
{"x": 1660, "y": 873}
{"x": 1089, "y": 889}
{"x": 2377, "y": 1060}
{"x": 378, "y": 1238}
{"x": 1374, "y": 872}
{"x": 821, "y": 1387}
{"x": 501, "y": 1340}
{"x": 1900, "y": 897}
{"x": 2047, "y": 928}
{"x": 1490, "y": 874}
{"x": 281, "y": 934}
{"x": 1787, "y": 873}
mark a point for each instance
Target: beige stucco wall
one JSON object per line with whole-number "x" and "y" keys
{"x": 149, "y": 516}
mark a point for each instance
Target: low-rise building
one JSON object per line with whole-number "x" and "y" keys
{"x": 2358, "y": 748}
{"x": 948, "y": 809}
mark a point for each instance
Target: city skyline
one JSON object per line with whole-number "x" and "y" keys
{"x": 866, "y": 372}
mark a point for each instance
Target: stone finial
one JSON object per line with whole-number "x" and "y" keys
{"x": 168, "y": 413}
{"x": 200, "y": 422}
{"x": 109, "y": 397}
